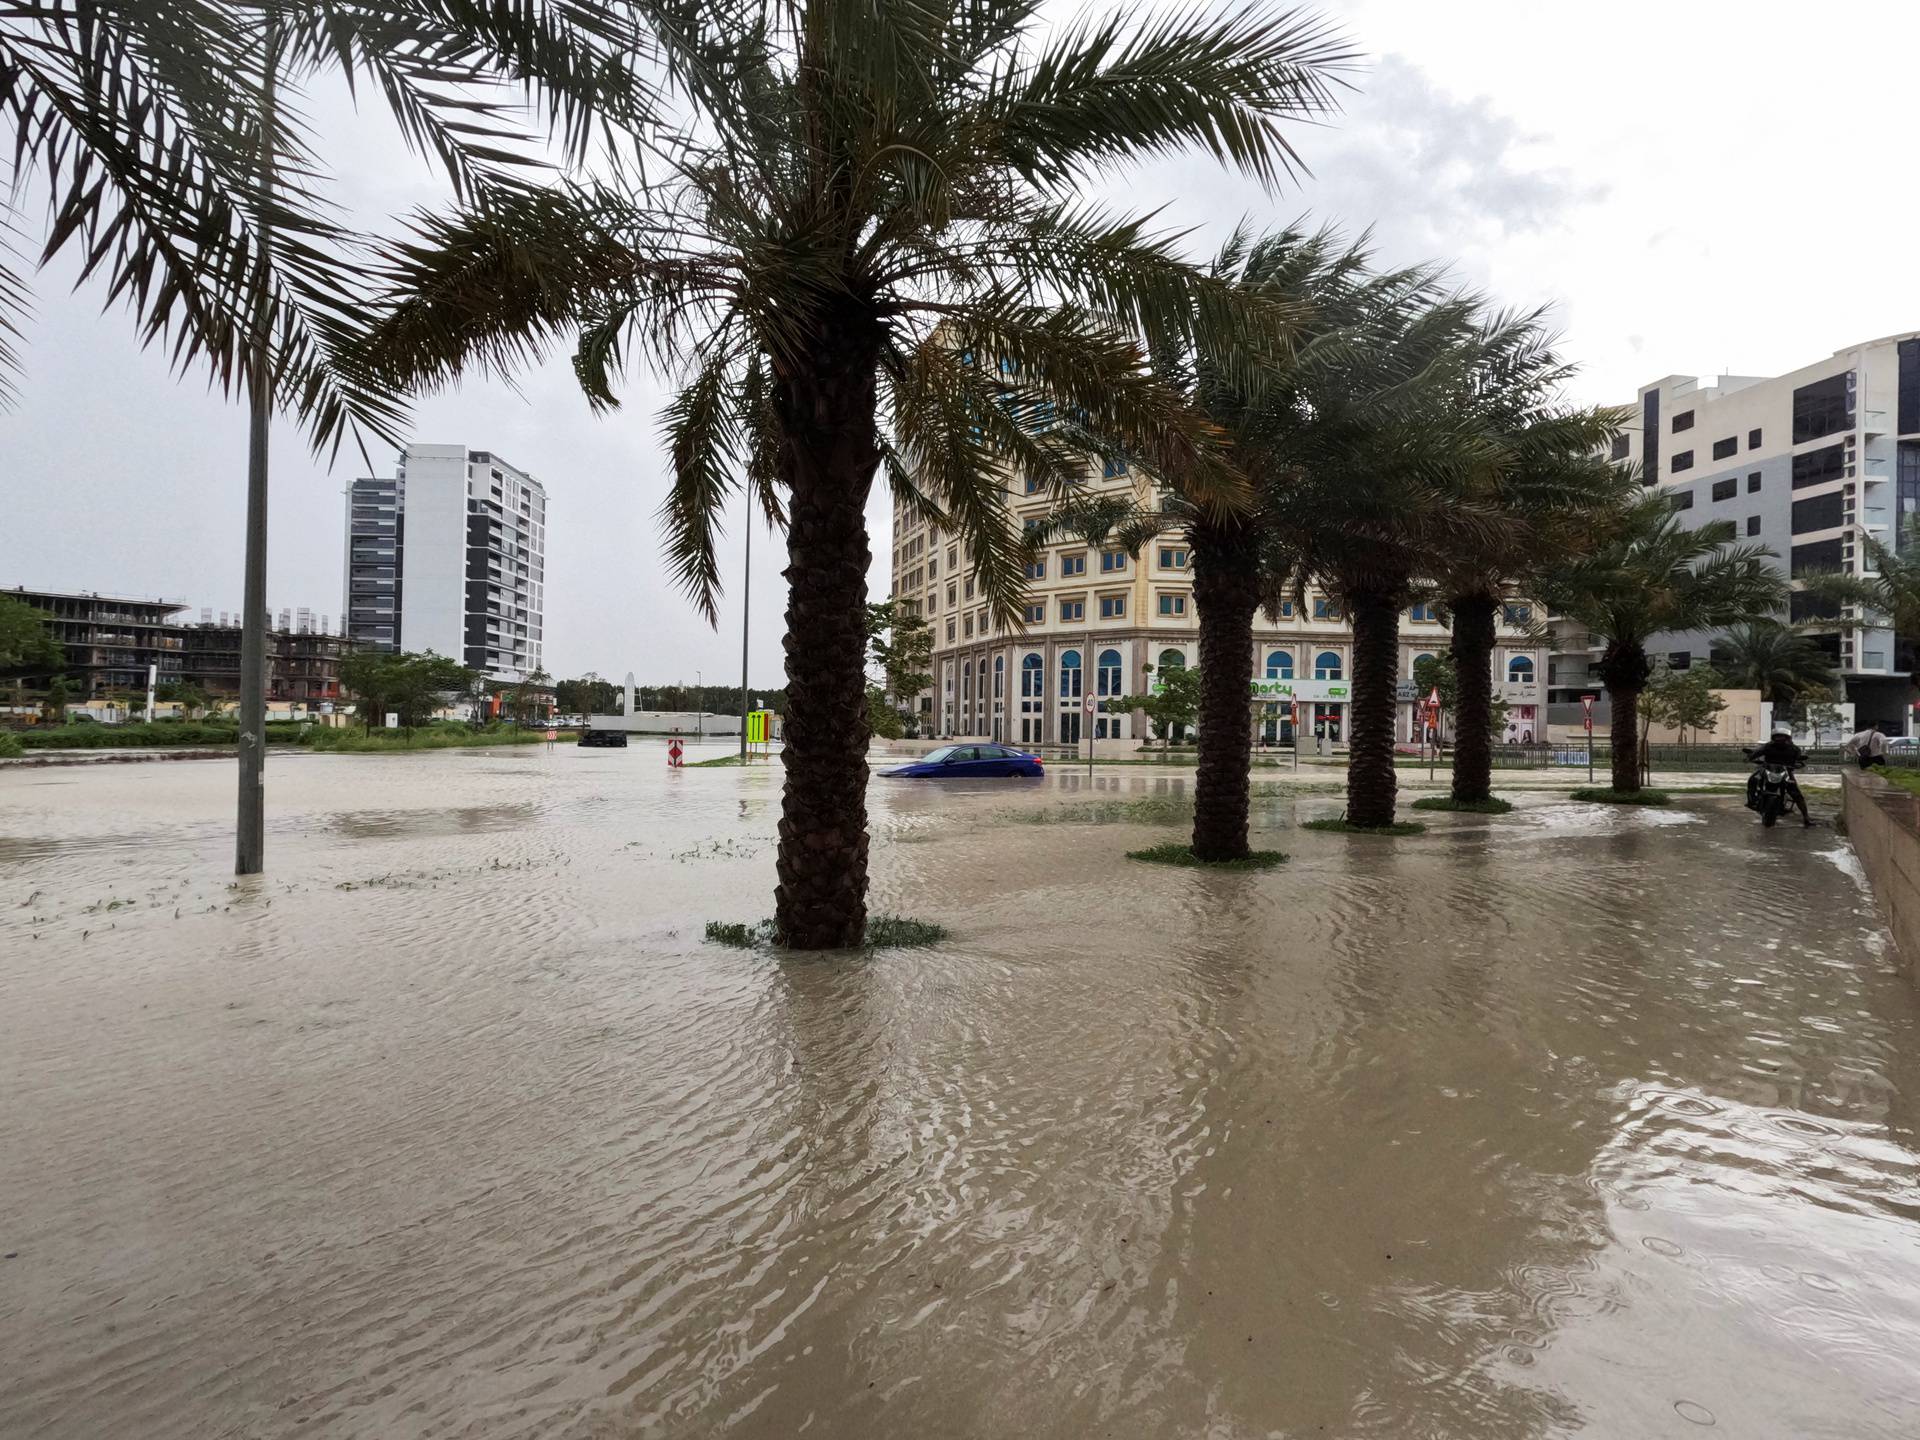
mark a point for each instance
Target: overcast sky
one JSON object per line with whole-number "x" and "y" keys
{"x": 1694, "y": 189}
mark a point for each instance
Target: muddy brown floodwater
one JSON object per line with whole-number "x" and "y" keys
{"x": 1576, "y": 1121}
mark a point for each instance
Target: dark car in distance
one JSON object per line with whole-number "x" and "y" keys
{"x": 969, "y": 762}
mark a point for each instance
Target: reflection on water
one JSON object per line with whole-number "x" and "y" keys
{"x": 1577, "y": 1120}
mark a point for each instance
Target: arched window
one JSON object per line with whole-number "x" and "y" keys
{"x": 1520, "y": 670}
{"x": 1173, "y": 660}
{"x": 999, "y": 676}
{"x": 1423, "y": 655}
{"x": 1279, "y": 665}
{"x": 1109, "y": 674}
{"x": 1069, "y": 674}
{"x": 966, "y": 681}
{"x": 1032, "y": 682}
{"x": 1326, "y": 665}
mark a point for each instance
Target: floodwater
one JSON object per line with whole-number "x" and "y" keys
{"x": 1575, "y": 1121}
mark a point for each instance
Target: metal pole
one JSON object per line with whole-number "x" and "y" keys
{"x": 699, "y": 706}
{"x": 250, "y": 831}
{"x": 1589, "y": 750}
{"x": 153, "y": 672}
{"x": 746, "y": 594}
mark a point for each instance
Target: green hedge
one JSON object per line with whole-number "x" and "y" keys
{"x": 441, "y": 736}
{"x": 160, "y": 732}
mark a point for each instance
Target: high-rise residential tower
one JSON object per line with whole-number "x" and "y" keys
{"x": 449, "y": 555}
{"x": 1808, "y": 463}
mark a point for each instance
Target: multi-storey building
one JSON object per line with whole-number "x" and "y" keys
{"x": 303, "y": 663}
{"x": 110, "y": 642}
{"x": 449, "y": 555}
{"x": 1807, "y": 463}
{"x": 1099, "y": 622}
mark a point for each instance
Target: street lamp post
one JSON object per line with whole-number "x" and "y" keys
{"x": 746, "y": 610}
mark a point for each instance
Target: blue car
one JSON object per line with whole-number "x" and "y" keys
{"x": 969, "y": 762}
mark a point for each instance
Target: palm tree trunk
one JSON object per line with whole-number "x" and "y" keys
{"x": 1226, "y": 591}
{"x": 829, "y": 453}
{"x": 1371, "y": 781}
{"x": 1472, "y": 648}
{"x": 1624, "y": 669}
{"x": 1626, "y": 739}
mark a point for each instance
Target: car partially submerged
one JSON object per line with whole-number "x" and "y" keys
{"x": 970, "y": 762}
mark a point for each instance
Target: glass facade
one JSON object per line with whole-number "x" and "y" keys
{"x": 1816, "y": 467}
{"x": 1823, "y": 408}
{"x": 1908, "y": 406}
{"x": 1650, "y": 437}
{"x": 1906, "y": 492}
{"x": 1823, "y": 512}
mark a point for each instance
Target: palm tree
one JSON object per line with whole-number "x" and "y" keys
{"x": 1229, "y": 547}
{"x": 1547, "y": 484}
{"x": 173, "y": 160}
{"x": 856, "y": 254}
{"x": 1888, "y": 590}
{"x": 1374, "y": 501}
{"x": 1651, "y": 574}
{"x": 1777, "y": 660}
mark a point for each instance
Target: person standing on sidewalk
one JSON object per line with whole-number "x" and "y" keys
{"x": 1869, "y": 746}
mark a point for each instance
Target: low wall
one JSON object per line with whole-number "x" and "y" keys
{"x": 1883, "y": 821}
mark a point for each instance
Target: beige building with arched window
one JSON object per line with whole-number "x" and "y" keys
{"x": 1101, "y": 622}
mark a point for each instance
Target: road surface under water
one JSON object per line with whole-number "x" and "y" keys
{"x": 1574, "y": 1121}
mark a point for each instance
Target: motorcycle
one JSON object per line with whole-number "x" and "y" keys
{"x": 1773, "y": 797}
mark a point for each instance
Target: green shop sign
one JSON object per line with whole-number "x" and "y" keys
{"x": 1338, "y": 690}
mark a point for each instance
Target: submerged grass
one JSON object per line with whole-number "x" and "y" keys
{"x": 1342, "y": 826}
{"x": 1175, "y": 852}
{"x": 1622, "y": 797}
{"x": 1492, "y": 805}
{"x": 1148, "y": 810}
{"x": 884, "y": 932}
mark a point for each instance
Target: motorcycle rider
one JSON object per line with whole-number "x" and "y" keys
{"x": 1779, "y": 750}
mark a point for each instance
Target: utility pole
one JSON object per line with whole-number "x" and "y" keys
{"x": 250, "y": 831}
{"x": 746, "y": 610}
{"x": 699, "y": 706}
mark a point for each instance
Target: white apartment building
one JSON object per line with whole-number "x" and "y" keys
{"x": 1101, "y": 622}
{"x": 1807, "y": 463}
{"x": 449, "y": 555}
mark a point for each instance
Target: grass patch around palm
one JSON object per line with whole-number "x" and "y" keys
{"x": 1621, "y": 797}
{"x": 1340, "y": 825}
{"x": 884, "y": 932}
{"x": 1492, "y": 805}
{"x": 1176, "y": 852}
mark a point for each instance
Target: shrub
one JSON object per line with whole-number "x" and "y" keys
{"x": 10, "y": 745}
{"x": 1622, "y": 797}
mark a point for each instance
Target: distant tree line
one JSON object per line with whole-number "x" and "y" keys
{"x": 591, "y": 694}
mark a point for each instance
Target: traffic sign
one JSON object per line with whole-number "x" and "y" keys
{"x": 1088, "y": 704}
{"x": 1586, "y": 704}
{"x": 1405, "y": 691}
